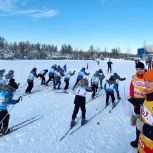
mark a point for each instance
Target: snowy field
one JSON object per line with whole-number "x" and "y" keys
{"x": 51, "y": 113}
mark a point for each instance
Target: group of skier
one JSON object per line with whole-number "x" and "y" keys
{"x": 83, "y": 87}
{"x": 141, "y": 96}
{"x": 7, "y": 88}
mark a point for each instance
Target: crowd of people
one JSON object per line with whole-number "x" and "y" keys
{"x": 140, "y": 96}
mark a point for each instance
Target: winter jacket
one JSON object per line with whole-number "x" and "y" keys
{"x": 68, "y": 75}
{"x": 137, "y": 87}
{"x": 109, "y": 64}
{"x": 146, "y": 137}
{"x": 43, "y": 72}
{"x": 30, "y": 78}
{"x": 117, "y": 78}
{"x": 81, "y": 74}
{"x": 82, "y": 90}
{"x": 7, "y": 76}
{"x": 52, "y": 71}
{"x": 6, "y": 99}
{"x": 95, "y": 80}
{"x": 109, "y": 86}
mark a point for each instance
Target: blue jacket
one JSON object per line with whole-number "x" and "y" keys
{"x": 6, "y": 99}
{"x": 81, "y": 74}
{"x": 109, "y": 87}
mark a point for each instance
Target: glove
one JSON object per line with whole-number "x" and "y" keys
{"x": 131, "y": 100}
{"x": 133, "y": 119}
{"x": 124, "y": 78}
{"x": 139, "y": 124}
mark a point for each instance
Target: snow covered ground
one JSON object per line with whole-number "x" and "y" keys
{"x": 51, "y": 113}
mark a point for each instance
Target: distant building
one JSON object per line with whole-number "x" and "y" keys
{"x": 141, "y": 51}
{"x": 145, "y": 53}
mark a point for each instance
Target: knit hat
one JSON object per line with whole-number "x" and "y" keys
{"x": 149, "y": 75}
{"x": 111, "y": 78}
{"x": 83, "y": 81}
{"x": 140, "y": 65}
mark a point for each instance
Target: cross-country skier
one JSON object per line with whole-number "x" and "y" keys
{"x": 13, "y": 83}
{"x": 117, "y": 78}
{"x": 51, "y": 74}
{"x": 80, "y": 76}
{"x": 6, "y": 96}
{"x": 67, "y": 79}
{"x": 30, "y": 80}
{"x": 80, "y": 101}
{"x": 58, "y": 76}
{"x": 42, "y": 76}
{"x": 101, "y": 76}
{"x": 109, "y": 88}
{"x": 8, "y": 76}
{"x": 94, "y": 84}
{"x": 109, "y": 63}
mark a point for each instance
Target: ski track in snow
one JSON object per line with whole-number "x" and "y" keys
{"x": 112, "y": 134}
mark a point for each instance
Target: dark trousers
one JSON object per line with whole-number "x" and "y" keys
{"x": 29, "y": 88}
{"x": 117, "y": 91}
{"x": 110, "y": 95}
{"x": 137, "y": 111}
{"x": 42, "y": 78}
{"x": 79, "y": 102}
{"x": 77, "y": 81}
{"x": 101, "y": 81}
{"x": 5, "y": 121}
{"x": 51, "y": 78}
{"x": 57, "y": 83}
{"x": 66, "y": 84}
{"x": 109, "y": 69}
{"x": 149, "y": 67}
{"x": 94, "y": 89}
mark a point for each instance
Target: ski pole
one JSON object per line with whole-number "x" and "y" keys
{"x": 6, "y": 114}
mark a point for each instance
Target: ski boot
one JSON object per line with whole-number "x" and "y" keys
{"x": 84, "y": 121}
{"x": 134, "y": 144}
{"x": 113, "y": 104}
{"x": 72, "y": 123}
{"x": 4, "y": 131}
{"x": 119, "y": 98}
{"x": 93, "y": 97}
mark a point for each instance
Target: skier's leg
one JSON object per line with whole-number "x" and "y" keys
{"x": 107, "y": 98}
{"x": 75, "y": 111}
{"x": 93, "y": 91}
{"x": 48, "y": 80}
{"x": 83, "y": 109}
{"x": 31, "y": 86}
{"x": 113, "y": 99}
{"x": 77, "y": 81}
{"x": 6, "y": 120}
{"x": 66, "y": 85}
{"x": 28, "y": 88}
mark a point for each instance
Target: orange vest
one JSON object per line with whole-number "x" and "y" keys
{"x": 139, "y": 87}
{"x": 146, "y": 144}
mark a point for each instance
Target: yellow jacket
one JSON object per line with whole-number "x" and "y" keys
{"x": 146, "y": 137}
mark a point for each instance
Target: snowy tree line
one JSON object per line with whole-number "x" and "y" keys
{"x": 27, "y": 50}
